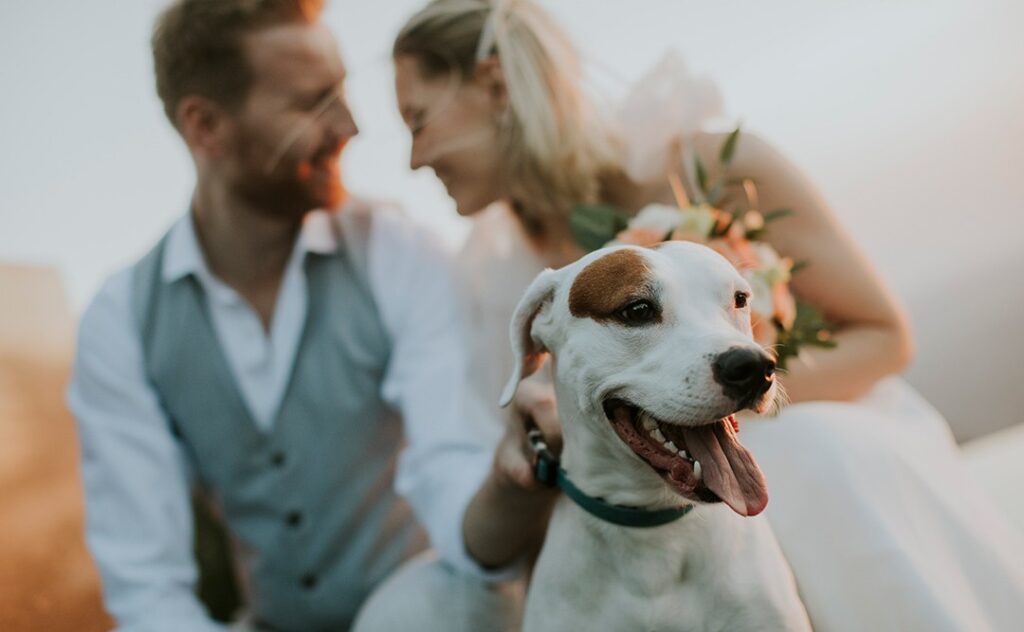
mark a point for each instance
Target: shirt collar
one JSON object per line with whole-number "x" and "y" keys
{"x": 183, "y": 256}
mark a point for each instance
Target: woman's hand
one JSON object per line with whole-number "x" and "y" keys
{"x": 533, "y": 407}
{"x": 508, "y": 517}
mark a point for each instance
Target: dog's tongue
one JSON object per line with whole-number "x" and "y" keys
{"x": 728, "y": 468}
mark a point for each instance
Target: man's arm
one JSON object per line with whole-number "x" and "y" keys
{"x": 138, "y": 514}
{"x": 449, "y": 463}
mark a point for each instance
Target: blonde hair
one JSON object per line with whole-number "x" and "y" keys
{"x": 555, "y": 146}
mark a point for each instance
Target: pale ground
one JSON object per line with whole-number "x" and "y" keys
{"x": 47, "y": 579}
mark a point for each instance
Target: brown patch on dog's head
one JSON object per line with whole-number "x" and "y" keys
{"x": 609, "y": 283}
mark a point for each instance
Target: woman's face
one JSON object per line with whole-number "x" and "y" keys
{"x": 454, "y": 132}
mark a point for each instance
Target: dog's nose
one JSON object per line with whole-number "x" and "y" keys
{"x": 744, "y": 373}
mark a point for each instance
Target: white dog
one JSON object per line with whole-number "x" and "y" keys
{"x": 652, "y": 355}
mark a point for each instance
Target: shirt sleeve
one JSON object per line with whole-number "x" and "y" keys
{"x": 449, "y": 437}
{"x": 137, "y": 503}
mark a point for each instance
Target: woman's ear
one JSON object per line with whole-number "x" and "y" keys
{"x": 491, "y": 78}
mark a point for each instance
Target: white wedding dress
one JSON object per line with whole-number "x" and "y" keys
{"x": 869, "y": 500}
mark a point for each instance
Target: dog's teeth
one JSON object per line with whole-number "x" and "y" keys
{"x": 671, "y": 446}
{"x": 684, "y": 454}
{"x": 648, "y": 423}
{"x": 656, "y": 433}
{"x": 697, "y": 469}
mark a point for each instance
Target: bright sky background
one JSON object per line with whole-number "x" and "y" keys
{"x": 906, "y": 113}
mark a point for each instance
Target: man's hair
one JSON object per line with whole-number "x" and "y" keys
{"x": 198, "y": 46}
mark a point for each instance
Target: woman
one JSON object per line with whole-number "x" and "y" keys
{"x": 869, "y": 500}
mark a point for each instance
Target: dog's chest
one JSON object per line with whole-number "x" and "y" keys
{"x": 617, "y": 578}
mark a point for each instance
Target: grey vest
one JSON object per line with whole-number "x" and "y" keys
{"x": 310, "y": 504}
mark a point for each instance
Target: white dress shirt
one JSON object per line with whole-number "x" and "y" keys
{"x": 138, "y": 512}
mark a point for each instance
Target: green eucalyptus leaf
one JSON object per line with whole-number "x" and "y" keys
{"x": 808, "y": 315}
{"x": 778, "y": 213}
{"x": 715, "y": 194}
{"x": 594, "y": 225}
{"x": 824, "y": 344}
{"x": 798, "y": 266}
{"x": 724, "y": 230}
{"x": 810, "y": 328}
{"x": 702, "y": 176}
{"x": 729, "y": 147}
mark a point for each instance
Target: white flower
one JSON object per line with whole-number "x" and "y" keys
{"x": 766, "y": 254}
{"x": 665, "y": 219}
{"x": 659, "y": 217}
{"x": 760, "y": 293}
{"x": 753, "y": 220}
{"x": 665, "y": 106}
{"x": 773, "y": 267}
{"x": 698, "y": 219}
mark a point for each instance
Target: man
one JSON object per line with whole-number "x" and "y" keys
{"x": 276, "y": 358}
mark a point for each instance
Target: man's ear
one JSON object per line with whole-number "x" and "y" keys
{"x": 529, "y": 352}
{"x": 490, "y": 76}
{"x": 204, "y": 125}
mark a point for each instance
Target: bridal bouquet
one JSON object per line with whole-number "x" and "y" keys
{"x": 729, "y": 222}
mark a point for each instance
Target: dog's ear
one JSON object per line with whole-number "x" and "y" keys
{"x": 529, "y": 352}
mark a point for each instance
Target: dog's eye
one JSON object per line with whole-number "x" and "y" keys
{"x": 638, "y": 313}
{"x": 740, "y": 299}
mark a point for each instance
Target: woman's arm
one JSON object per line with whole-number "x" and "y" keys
{"x": 873, "y": 337}
{"x": 508, "y": 517}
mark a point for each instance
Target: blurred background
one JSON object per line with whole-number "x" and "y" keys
{"x": 905, "y": 113}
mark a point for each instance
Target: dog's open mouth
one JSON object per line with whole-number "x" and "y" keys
{"x": 704, "y": 463}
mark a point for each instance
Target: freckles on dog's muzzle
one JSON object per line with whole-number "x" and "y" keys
{"x": 744, "y": 373}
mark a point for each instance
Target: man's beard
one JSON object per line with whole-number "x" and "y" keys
{"x": 289, "y": 181}
{"x": 292, "y": 191}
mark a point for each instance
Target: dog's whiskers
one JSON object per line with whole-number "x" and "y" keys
{"x": 780, "y": 401}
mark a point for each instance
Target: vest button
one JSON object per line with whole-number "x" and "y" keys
{"x": 293, "y": 519}
{"x": 277, "y": 459}
{"x": 309, "y": 581}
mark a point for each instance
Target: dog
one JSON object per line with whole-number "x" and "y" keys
{"x": 652, "y": 357}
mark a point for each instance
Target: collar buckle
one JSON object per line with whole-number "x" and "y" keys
{"x": 546, "y": 466}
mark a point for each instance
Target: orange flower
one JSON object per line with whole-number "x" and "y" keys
{"x": 644, "y": 237}
{"x": 765, "y": 333}
{"x": 725, "y": 249}
{"x": 784, "y": 303}
{"x": 721, "y": 221}
{"x": 736, "y": 233}
{"x": 740, "y": 252}
{"x": 743, "y": 254}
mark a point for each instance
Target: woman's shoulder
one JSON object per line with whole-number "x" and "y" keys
{"x": 497, "y": 234}
{"x": 497, "y": 262}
